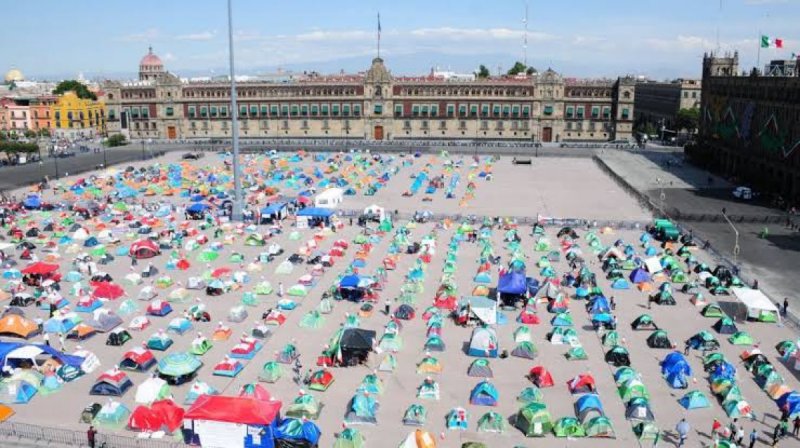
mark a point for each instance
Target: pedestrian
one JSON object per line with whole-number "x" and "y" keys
{"x": 62, "y": 339}
{"x": 753, "y": 438}
{"x": 52, "y": 309}
{"x": 280, "y": 289}
{"x": 715, "y": 427}
{"x": 46, "y": 338}
{"x": 657, "y": 439}
{"x": 613, "y": 303}
{"x": 134, "y": 261}
{"x": 784, "y": 426}
{"x": 785, "y": 306}
{"x": 683, "y": 431}
{"x": 90, "y": 436}
{"x": 796, "y": 429}
{"x": 387, "y": 307}
{"x": 739, "y": 436}
{"x": 732, "y": 429}
{"x": 776, "y": 435}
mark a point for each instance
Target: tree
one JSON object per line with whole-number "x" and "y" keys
{"x": 30, "y": 133}
{"x": 78, "y": 87}
{"x": 518, "y": 68}
{"x": 13, "y": 149}
{"x": 115, "y": 140}
{"x": 483, "y": 72}
{"x": 530, "y": 71}
{"x": 688, "y": 119}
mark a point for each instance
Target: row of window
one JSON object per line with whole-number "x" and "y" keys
{"x": 578, "y": 112}
{"x": 265, "y": 124}
{"x": 497, "y": 110}
{"x": 284, "y": 110}
{"x": 462, "y": 125}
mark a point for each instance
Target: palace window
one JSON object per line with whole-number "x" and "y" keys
{"x": 407, "y": 125}
{"x": 285, "y": 110}
{"x": 425, "y": 125}
{"x": 346, "y": 110}
{"x": 242, "y": 111}
{"x": 170, "y": 111}
{"x": 499, "y": 125}
{"x": 570, "y": 112}
{"x": 548, "y": 110}
{"x": 442, "y": 125}
{"x": 515, "y": 111}
{"x": 451, "y": 110}
{"x": 434, "y": 110}
{"x": 625, "y": 113}
{"x": 335, "y": 110}
{"x": 415, "y": 111}
{"x": 305, "y": 125}
{"x": 324, "y": 110}
{"x": 295, "y": 110}
{"x": 314, "y": 110}
{"x": 473, "y": 110}
{"x": 595, "y": 112}
{"x": 580, "y": 112}
{"x": 462, "y": 125}
{"x": 378, "y": 109}
{"x": 264, "y": 110}
{"x": 484, "y": 110}
{"x": 273, "y": 110}
{"x": 285, "y": 125}
{"x": 254, "y": 111}
{"x": 134, "y": 113}
{"x": 223, "y": 111}
{"x": 357, "y": 110}
{"x": 424, "y": 110}
{"x": 484, "y": 125}
{"x": 193, "y": 125}
{"x": 496, "y": 110}
{"x": 506, "y": 111}
{"x": 325, "y": 125}
{"x": 606, "y": 112}
{"x": 462, "y": 110}
{"x": 526, "y": 111}
{"x": 111, "y": 114}
{"x": 213, "y": 111}
{"x": 304, "y": 110}
{"x": 265, "y": 124}
{"x": 192, "y": 112}
{"x": 398, "y": 110}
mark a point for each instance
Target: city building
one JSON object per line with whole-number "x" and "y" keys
{"x": 372, "y": 105}
{"x": 77, "y": 117}
{"x": 658, "y": 103}
{"x": 750, "y": 127}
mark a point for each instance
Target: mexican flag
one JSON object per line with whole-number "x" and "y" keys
{"x": 771, "y": 42}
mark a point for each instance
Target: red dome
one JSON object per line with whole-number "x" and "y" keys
{"x": 151, "y": 59}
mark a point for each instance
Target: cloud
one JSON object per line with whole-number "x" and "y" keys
{"x": 201, "y": 36}
{"x": 168, "y": 57}
{"x": 315, "y": 36}
{"x": 680, "y": 43}
{"x": 148, "y": 35}
{"x": 765, "y": 2}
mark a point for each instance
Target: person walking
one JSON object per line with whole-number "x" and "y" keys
{"x": 62, "y": 339}
{"x": 387, "y": 307}
{"x": 280, "y": 289}
{"x": 46, "y": 338}
{"x": 753, "y": 437}
{"x": 739, "y": 436}
{"x": 683, "y": 431}
{"x": 785, "y": 310}
{"x": 90, "y": 436}
{"x": 796, "y": 428}
{"x": 776, "y": 435}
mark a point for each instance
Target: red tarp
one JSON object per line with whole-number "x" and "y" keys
{"x": 162, "y": 414}
{"x": 40, "y": 268}
{"x": 105, "y": 290}
{"x": 244, "y": 410}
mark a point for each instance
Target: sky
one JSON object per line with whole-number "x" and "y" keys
{"x": 659, "y": 39}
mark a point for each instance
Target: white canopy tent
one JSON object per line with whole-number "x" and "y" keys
{"x": 376, "y": 210}
{"x": 756, "y": 303}
{"x": 330, "y": 198}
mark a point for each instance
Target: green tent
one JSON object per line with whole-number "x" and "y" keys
{"x": 712, "y": 310}
{"x": 312, "y": 320}
{"x": 349, "y": 438}
{"x": 297, "y": 290}
{"x": 530, "y": 394}
{"x": 492, "y": 422}
{"x": 429, "y": 365}
{"x": 534, "y": 420}
{"x": 249, "y": 299}
{"x": 599, "y": 426}
{"x": 207, "y": 256}
{"x": 391, "y": 342}
{"x": 576, "y": 353}
{"x": 415, "y": 415}
{"x": 271, "y": 372}
{"x": 646, "y": 431}
{"x": 568, "y": 427}
{"x": 741, "y": 338}
{"x": 263, "y": 288}
{"x": 372, "y": 384}
{"x": 388, "y": 364}
{"x": 611, "y": 338}
{"x": 633, "y": 388}
{"x": 304, "y": 406}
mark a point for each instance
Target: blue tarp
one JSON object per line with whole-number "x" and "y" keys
{"x": 32, "y": 201}
{"x": 349, "y": 281}
{"x": 197, "y": 208}
{"x": 512, "y": 283}
{"x": 675, "y": 362}
{"x": 273, "y": 208}
{"x": 8, "y": 347}
{"x": 315, "y": 212}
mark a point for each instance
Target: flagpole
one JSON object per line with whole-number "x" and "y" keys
{"x": 758, "y": 58}
{"x": 379, "y": 34}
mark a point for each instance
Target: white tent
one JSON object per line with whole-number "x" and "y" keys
{"x": 150, "y": 390}
{"x": 653, "y": 265}
{"x": 755, "y": 301}
{"x": 330, "y": 198}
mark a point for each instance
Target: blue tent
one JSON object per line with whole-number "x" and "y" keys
{"x": 675, "y": 362}
{"x": 790, "y": 398}
{"x": 677, "y": 380}
{"x": 273, "y": 208}
{"x": 599, "y": 305}
{"x": 694, "y": 400}
{"x": 301, "y": 432}
{"x": 639, "y": 275}
{"x": 91, "y": 242}
{"x": 33, "y": 201}
{"x": 588, "y": 401}
{"x": 16, "y": 392}
{"x": 533, "y": 285}
{"x": 620, "y": 283}
{"x": 484, "y": 393}
{"x": 724, "y": 370}
{"x": 512, "y": 283}
{"x": 315, "y": 212}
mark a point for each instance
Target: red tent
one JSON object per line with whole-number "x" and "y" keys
{"x": 244, "y": 410}
{"x": 581, "y": 384}
{"x": 144, "y": 419}
{"x": 144, "y": 249}
{"x": 40, "y": 268}
{"x": 528, "y": 316}
{"x": 219, "y": 272}
{"x": 107, "y": 290}
{"x": 257, "y": 391}
{"x": 541, "y": 377}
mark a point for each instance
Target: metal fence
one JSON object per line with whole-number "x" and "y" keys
{"x": 43, "y": 436}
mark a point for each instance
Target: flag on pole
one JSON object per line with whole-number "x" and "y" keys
{"x": 771, "y": 42}
{"x": 379, "y": 22}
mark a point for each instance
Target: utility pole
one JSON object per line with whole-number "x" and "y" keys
{"x": 736, "y": 248}
{"x": 237, "y": 212}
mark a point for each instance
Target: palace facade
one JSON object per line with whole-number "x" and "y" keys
{"x": 373, "y": 105}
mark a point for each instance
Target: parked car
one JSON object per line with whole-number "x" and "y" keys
{"x": 744, "y": 193}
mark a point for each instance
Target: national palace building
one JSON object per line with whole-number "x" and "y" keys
{"x": 373, "y": 105}
{"x": 750, "y": 125}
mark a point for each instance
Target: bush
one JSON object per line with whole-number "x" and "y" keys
{"x": 115, "y": 140}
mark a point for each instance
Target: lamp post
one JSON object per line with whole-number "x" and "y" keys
{"x": 736, "y": 241}
{"x": 237, "y": 212}
{"x": 143, "y": 156}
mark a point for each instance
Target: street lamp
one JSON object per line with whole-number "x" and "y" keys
{"x": 736, "y": 242}
{"x": 143, "y": 156}
{"x": 237, "y": 212}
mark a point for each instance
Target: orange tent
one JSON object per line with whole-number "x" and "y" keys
{"x": 5, "y": 412}
{"x": 17, "y": 326}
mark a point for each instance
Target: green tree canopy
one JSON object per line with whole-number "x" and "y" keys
{"x": 115, "y": 140}
{"x": 78, "y": 87}
{"x": 483, "y": 72}
{"x": 518, "y": 68}
{"x": 688, "y": 119}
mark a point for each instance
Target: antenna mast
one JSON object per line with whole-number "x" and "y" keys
{"x": 525, "y": 37}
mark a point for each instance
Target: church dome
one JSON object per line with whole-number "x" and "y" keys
{"x": 151, "y": 60}
{"x": 14, "y": 75}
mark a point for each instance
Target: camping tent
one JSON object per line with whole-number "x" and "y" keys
{"x": 757, "y": 304}
{"x": 534, "y": 420}
{"x": 484, "y": 394}
{"x": 224, "y": 421}
{"x": 483, "y": 343}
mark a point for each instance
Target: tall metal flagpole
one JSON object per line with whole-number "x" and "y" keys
{"x": 379, "y": 34}
{"x": 525, "y": 38}
{"x": 238, "y": 199}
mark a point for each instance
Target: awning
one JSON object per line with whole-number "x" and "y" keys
{"x": 754, "y": 299}
{"x": 316, "y": 212}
